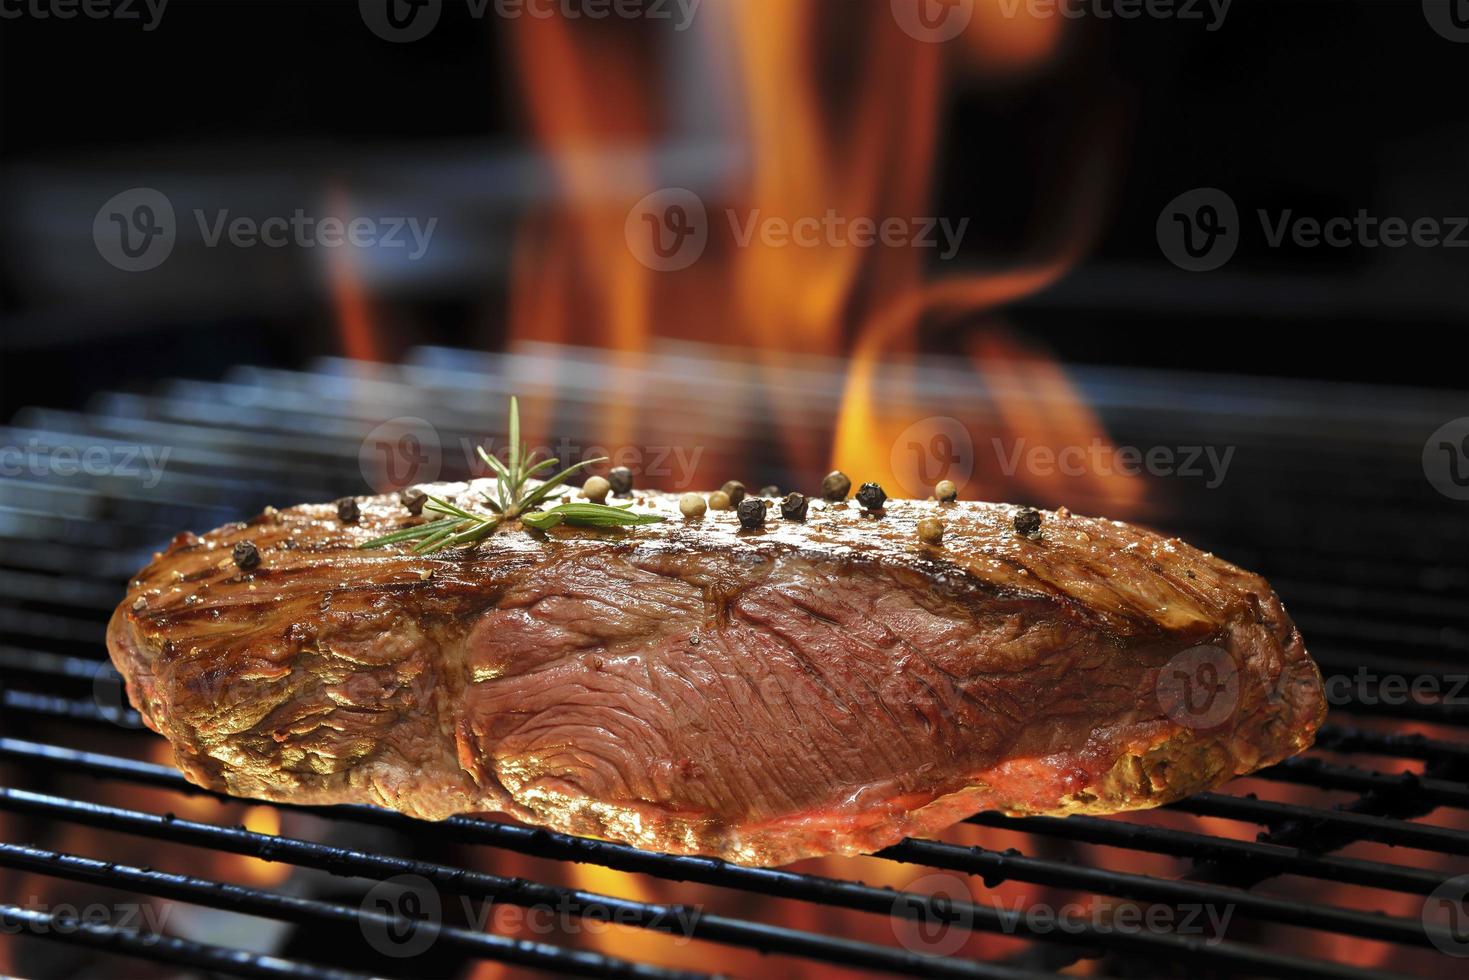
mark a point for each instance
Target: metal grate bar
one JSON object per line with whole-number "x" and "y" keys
{"x": 288, "y": 908}
{"x": 69, "y": 708}
{"x": 1324, "y": 775}
{"x": 1433, "y": 712}
{"x": 1247, "y": 809}
{"x": 678, "y": 920}
{"x": 997, "y": 866}
{"x": 163, "y": 949}
{"x": 1384, "y": 830}
{"x": 768, "y": 881}
{"x": 1337, "y": 738}
{"x": 1274, "y": 858}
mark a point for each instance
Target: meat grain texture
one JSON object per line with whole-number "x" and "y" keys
{"x": 820, "y": 687}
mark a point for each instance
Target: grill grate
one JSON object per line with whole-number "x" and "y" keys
{"x": 1382, "y": 602}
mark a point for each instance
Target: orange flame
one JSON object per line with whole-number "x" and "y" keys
{"x": 354, "y": 316}
{"x": 851, "y": 132}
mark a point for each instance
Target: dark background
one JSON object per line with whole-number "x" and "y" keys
{"x": 1323, "y": 108}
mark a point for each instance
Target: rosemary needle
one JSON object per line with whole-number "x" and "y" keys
{"x": 459, "y": 527}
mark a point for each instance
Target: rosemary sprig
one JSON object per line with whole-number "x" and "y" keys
{"x": 512, "y": 501}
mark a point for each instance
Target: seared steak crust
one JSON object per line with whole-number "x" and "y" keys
{"x": 809, "y": 688}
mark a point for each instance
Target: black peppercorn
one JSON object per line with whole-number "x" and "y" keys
{"x": 793, "y": 507}
{"x": 770, "y": 491}
{"x": 413, "y": 498}
{"x": 836, "y": 486}
{"x": 735, "y": 490}
{"x": 1028, "y": 523}
{"x": 620, "y": 478}
{"x": 752, "y": 513}
{"x": 246, "y": 555}
{"x": 871, "y": 496}
{"x": 347, "y": 510}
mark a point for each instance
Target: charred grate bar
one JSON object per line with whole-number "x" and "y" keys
{"x": 251, "y": 901}
{"x": 163, "y": 949}
{"x": 990, "y": 865}
{"x": 1381, "y": 605}
{"x": 718, "y": 929}
{"x": 688, "y": 921}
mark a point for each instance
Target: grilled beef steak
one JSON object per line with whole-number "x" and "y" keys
{"x": 810, "y": 687}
